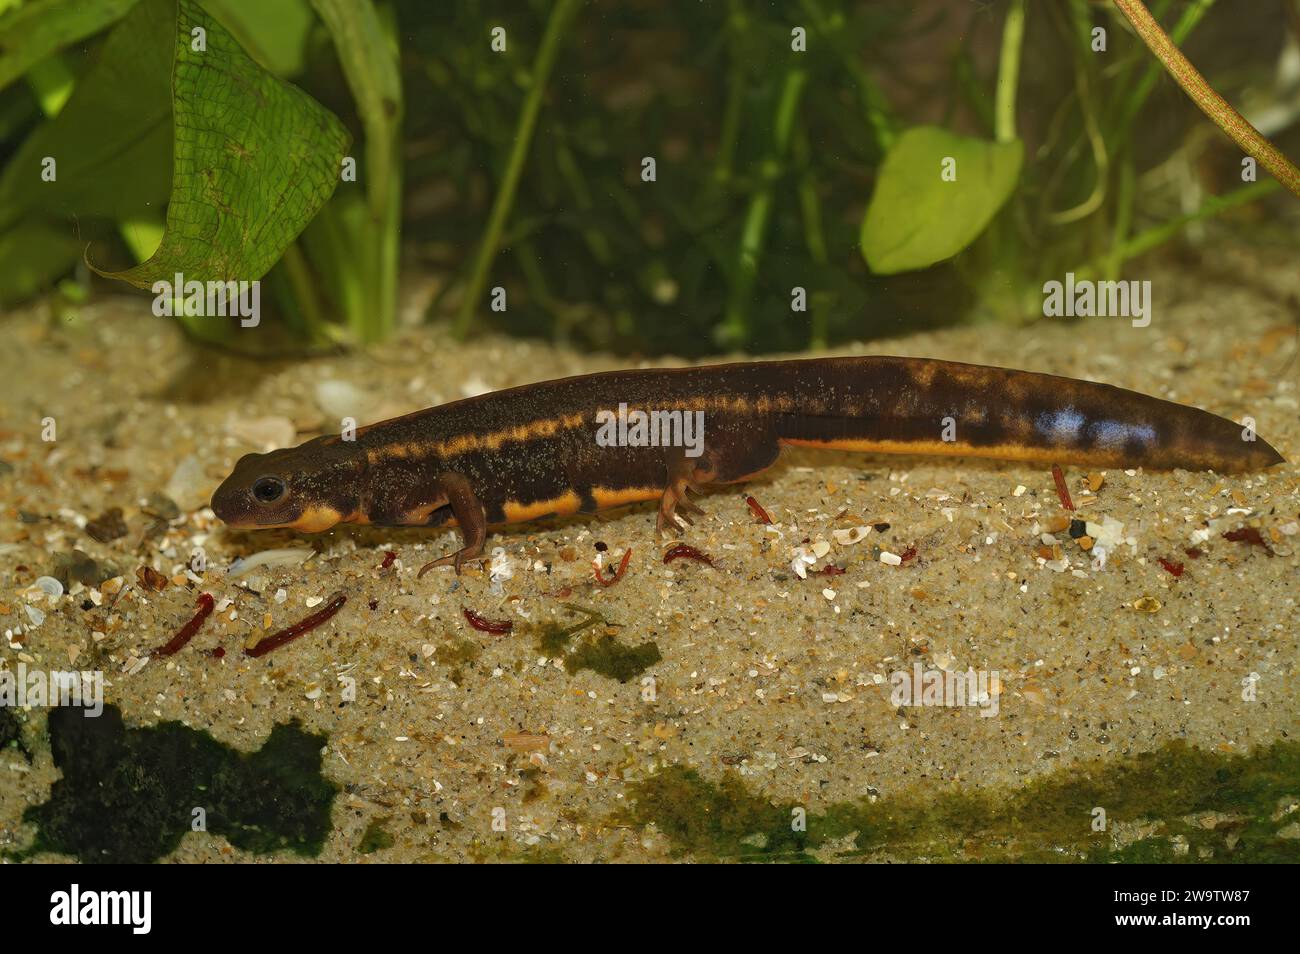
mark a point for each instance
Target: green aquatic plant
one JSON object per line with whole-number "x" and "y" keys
{"x": 238, "y": 199}
{"x": 185, "y": 105}
{"x": 360, "y": 261}
{"x": 128, "y": 795}
{"x": 641, "y": 179}
{"x": 741, "y": 240}
{"x": 1175, "y": 804}
{"x": 1207, "y": 98}
{"x": 557, "y": 23}
{"x": 918, "y": 216}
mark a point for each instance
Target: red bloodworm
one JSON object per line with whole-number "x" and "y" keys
{"x": 1175, "y": 568}
{"x": 497, "y": 627}
{"x": 618, "y": 574}
{"x": 1249, "y": 535}
{"x": 757, "y": 509}
{"x": 186, "y": 633}
{"x": 684, "y": 551}
{"x": 389, "y": 557}
{"x": 290, "y": 633}
{"x": 1061, "y": 490}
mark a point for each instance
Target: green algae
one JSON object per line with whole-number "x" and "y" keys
{"x": 456, "y": 654}
{"x": 376, "y": 837}
{"x": 602, "y": 653}
{"x": 11, "y": 732}
{"x": 540, "y": 855}
{"x": 1176, "y": 804}
{"x": 606, "y": 656}
{"x": 128, "y": 795}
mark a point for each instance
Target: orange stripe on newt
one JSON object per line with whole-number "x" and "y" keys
{"x": 517, "y": 512}
{"x": 1022, "y": 452}
{"x": 616, "y": 497}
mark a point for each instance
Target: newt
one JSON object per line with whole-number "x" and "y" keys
{"x": 536, "y": 451}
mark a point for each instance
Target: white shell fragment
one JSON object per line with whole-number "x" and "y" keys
{"x": 49, "y": 586}
{"x": 285, "y": 556}
{"x": 850, "y": 536}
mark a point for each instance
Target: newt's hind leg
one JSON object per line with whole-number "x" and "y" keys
{"x": 684, "y": 474}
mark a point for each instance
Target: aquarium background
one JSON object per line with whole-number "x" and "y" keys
{"x": 641, "y": 178}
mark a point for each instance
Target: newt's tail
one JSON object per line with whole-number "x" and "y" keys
{"x": 921, "y": 406}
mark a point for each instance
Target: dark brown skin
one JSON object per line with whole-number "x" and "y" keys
{"x": 532, "y": 451}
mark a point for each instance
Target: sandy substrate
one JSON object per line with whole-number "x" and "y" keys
{"x": 779, "y": 684}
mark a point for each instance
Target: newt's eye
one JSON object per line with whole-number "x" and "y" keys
{"x": 268, "y": 489}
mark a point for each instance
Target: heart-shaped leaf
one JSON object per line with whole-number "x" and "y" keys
{"x": 255, "y": 158}
{"x": 935, "y": 194}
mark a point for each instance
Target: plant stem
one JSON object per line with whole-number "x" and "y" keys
{"x": 555, "y": 29}
{"x": 1147, "y": 81}
{"x": 1085, "y": 86}
{"x": 874, "y": 104}
{"x": 1123, "y": 217}
{"x": 1211, "y": 103}
{"x": 810, "y": 207}
{"x": 572, "y": 176}
{"x": 1013, "y": 35}
{"x": 300, "y": 279}
{"x": 1159, "y": 234}
{"x": 736, "y": 23}
{"x": 735, "y": 327}
{"x": 366, "y": 45}
{"x": 331, "y": 242}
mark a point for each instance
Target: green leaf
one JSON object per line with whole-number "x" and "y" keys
{"x": 916, "y": 218}
{"x": 34, "y": 30}
{"x": 274, "y": 34}
{"x": 111, "y": 142}
{"x": 52, "y": 82}
{"x": 255, "y": 158}
{"x": 34, "y": 256}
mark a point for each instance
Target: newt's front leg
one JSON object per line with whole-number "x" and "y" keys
{"x": 735, "y": 447}
{"x": 470, "y": 516}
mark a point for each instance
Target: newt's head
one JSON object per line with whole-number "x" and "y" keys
{"x": 305, "y": 488}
